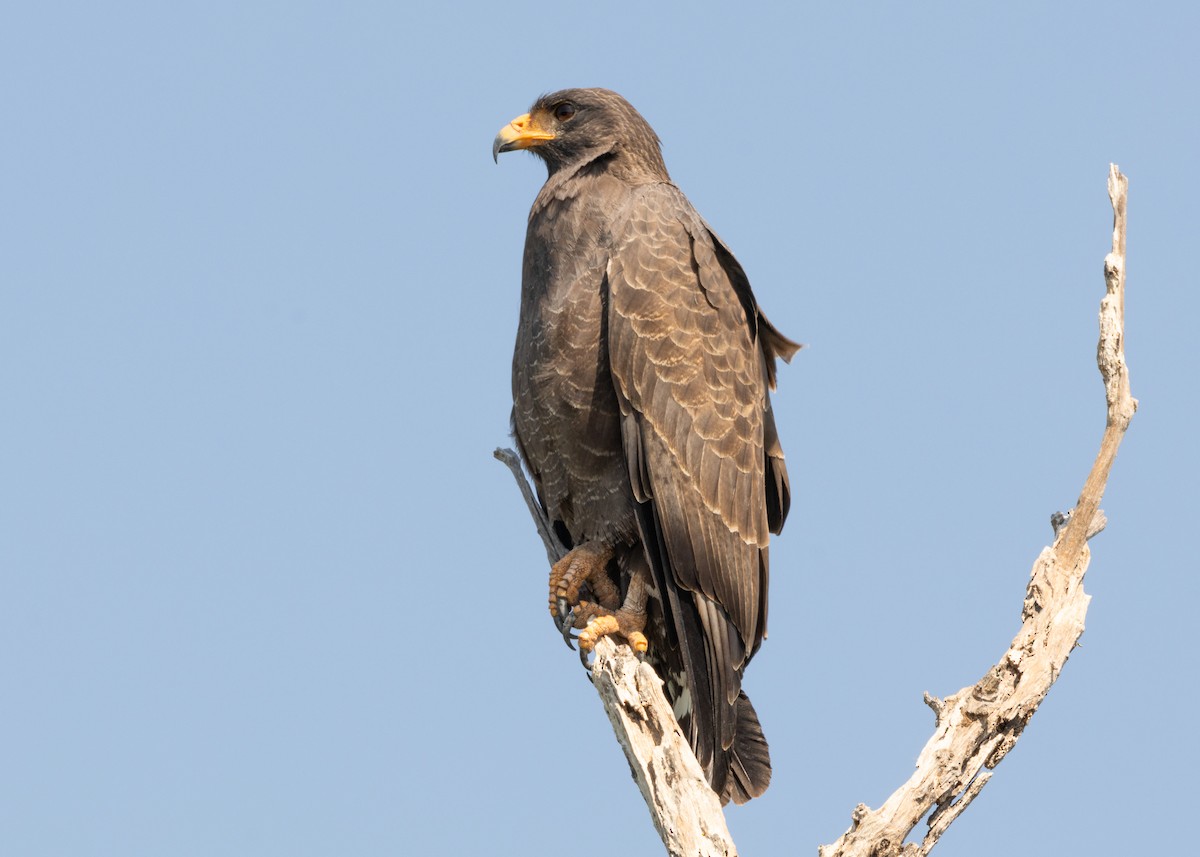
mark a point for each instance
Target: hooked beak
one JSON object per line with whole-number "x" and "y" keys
{"x": 521, "y": 133}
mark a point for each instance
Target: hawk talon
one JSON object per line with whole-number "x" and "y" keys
{"x": 565, "y": 626}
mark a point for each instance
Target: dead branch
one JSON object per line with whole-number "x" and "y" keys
{"x": 979, "y": 725}
{"x": 685, "y": 811}
{"x": 976, "y": 727}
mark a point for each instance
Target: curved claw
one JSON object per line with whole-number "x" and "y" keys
{"x": 565, "y": 626}
{"x": 583, "y": 659}
{"x": 565, "y": 630}
{"x": 566, "y": 621}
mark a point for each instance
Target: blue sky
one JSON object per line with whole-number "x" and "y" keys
{"x": 263, "y": 591}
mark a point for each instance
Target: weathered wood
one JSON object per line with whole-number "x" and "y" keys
{"x": 685, "y": 811}
{"x": 979, "y": 725}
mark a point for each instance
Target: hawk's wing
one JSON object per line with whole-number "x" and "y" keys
{"x": 690, "y": 357}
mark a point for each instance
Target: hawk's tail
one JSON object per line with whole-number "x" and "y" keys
{"x": 749, "y": 759}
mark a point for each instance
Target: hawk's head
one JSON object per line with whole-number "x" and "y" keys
{"x": 574, "y": 126}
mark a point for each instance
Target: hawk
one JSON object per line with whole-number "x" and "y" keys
{"x": 641, "y": 408}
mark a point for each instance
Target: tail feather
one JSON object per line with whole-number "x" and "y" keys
{"x": 749, "y": 759}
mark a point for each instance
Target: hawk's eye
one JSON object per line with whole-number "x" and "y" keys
{"x": 564, "y": 111}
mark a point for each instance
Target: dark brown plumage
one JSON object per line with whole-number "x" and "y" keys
{"x": 641, "y": 407}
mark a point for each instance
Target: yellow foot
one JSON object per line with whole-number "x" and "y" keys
{"x": 622, "y": 624}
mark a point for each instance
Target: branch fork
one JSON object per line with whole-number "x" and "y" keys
{"x": 975, "y": 727}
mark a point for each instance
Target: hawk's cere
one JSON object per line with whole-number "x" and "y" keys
{"x": 641, "y": 408}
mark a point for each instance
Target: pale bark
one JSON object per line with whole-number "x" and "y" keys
{"x": 685, "y": 811}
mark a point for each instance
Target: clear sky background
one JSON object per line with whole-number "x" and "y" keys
{"x": 263, "y": 590}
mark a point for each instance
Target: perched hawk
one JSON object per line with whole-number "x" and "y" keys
{"x": 641, "y": 408}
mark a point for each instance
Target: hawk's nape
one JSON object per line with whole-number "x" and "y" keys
{"x": 641, "y": 406}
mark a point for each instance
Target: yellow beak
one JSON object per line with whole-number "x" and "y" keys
{"x": 521, "y": 133}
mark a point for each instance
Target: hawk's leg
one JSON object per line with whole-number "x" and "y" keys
{"x": 606, "y": 614}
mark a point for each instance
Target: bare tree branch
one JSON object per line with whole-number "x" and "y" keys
{"x": 686, "y": 812}
{"x": 977, "y": 726}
